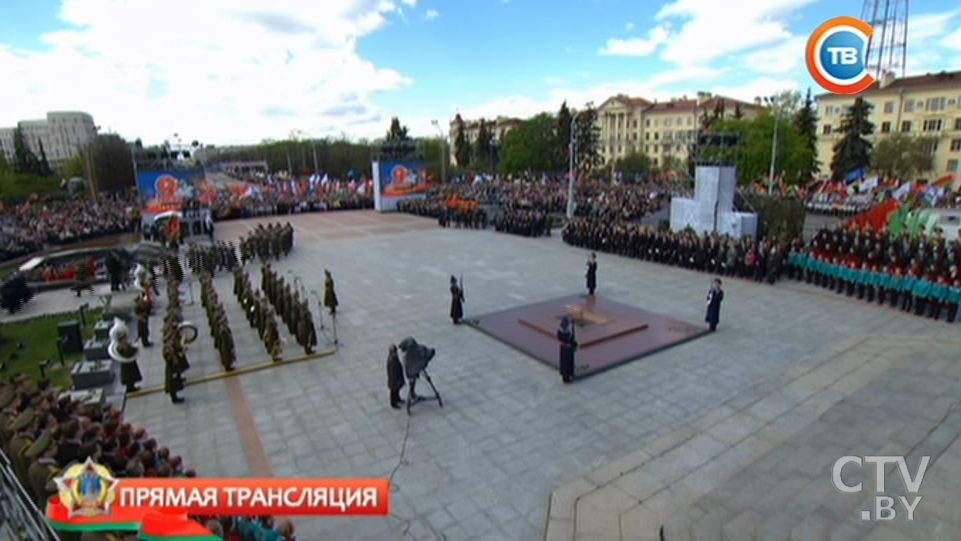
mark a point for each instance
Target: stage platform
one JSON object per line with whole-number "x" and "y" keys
{"x": 609, "y": 333}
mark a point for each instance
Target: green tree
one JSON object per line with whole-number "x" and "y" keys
{"x": 806, "y": 123}
{"x": 853, "y": 150}
{"x": 902, "y": 156}
{"x": 43, "y": 166}
{"x": 588, "y": 140}
{"x": 482, "y": 155}
{"x": 432, "y": 149}
{"x": 74, "y": 167}
{"x": 461, "y": 145}
{"x": 563, "y": 133}
{"x": 753, "y": 154}
{"x": 634, "y": 165}
{"x": 4, "y": 164}
{"x": 24, "y": 160}
{"x": 110, "y": 164}
{"x": 531, "y": 146}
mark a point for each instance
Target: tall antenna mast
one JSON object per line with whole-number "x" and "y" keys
{"x": 888, "y": 46}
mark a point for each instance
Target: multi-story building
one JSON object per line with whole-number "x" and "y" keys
{"x": 498, "y": 128}
{"x": 670, "y": 127}
{"x": 62, "y": 136}
{"x": 620, "y": 119}
{"x": 924, "y": 105}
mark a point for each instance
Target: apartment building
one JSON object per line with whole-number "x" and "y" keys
{"x": 498, "y": 126}
{"x": 62, "y": 135}
{"x": 924, "y": 105}
{"x": 664, "y": 131}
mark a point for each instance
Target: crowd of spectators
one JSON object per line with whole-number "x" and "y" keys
{"x": 38, "y": 223}
{"x": 42, "y": 430}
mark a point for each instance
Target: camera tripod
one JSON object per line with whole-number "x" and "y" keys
{"x": 415, "y": 398}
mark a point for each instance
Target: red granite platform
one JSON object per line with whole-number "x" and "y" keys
{"x": 609, "y": 334}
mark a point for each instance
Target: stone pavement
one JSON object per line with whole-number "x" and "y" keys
{"x": 485, "y": 466}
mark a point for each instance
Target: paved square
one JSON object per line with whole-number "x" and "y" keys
{"x": 608, "y": 333}
{"x": 514, "y": 453}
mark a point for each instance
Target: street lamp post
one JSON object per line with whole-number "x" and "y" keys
{"x": 773, "y": 102}
{"x": 444, "y": 152}
{"x": 572, "y": 150}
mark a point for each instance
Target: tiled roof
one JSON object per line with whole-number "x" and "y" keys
{"x": 944, "y": 78}
{"x": 691, "y": 105}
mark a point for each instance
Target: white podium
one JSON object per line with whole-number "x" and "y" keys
{"x": 712, "y": 209}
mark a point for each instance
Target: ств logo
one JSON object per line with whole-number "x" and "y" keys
{"x": 836, "y": 55}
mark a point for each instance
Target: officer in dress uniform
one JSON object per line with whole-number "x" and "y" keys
{"x": 42, "y": 469}
{"x": 456, "y": 301}
{"x": 714, "y": 297}
{"x": 568, "y": 345}
{"x": 173, "y": 374}
{"x": 306, "y": 333}
{"x": 592, "y": 274}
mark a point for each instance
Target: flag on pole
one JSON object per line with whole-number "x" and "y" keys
{"x": 945, "y": 181}
{"x": 854, "y": 176}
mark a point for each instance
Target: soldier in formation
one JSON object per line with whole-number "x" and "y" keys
{"x": 174, "y": 348}
{"x": 219, "y": 326}
{"x": 919, "y": 272}
{"x": 213, "y": 258}
{"x": 293, "y": 311}
{"x": 44, "y": 432}
{"x": 142, "y": 307}
{"x": 259, "y": 314}
{"x": 267, "y": 243}
{"x": 528, "y": 223}
{"x": 757, "y": 259}
{"x": 172, "y": 270}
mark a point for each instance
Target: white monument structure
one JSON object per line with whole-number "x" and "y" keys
{"x": 712, "y": 209}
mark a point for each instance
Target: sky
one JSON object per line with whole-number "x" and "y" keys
{"x": 228, "y": 72}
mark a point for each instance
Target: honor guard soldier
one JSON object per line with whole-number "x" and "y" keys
{"x": 43, "y": 468}
{"x": 173, "y": 374}
{"x": 330, "y": 296}
{"x": 272, "y": 340}
{"x": 227, "y": 351}
{"x": 142, "y": 309}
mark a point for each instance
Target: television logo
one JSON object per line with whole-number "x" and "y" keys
{"x": 836, "y": 55}
{"x": 884, "y": 506}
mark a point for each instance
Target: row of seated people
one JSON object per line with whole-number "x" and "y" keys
{"x": 42, "y": 432}
{"x": 757, "y": 259}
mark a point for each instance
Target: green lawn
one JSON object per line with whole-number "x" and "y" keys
{"x": 39, "y": 338}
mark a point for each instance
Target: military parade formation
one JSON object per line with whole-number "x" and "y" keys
{"x": 175, "y": 344}
{"x": 267, "y": 243}
{"x": 293, "y": 310}
{"x": 219, "y": 325}
{"x": 260, "y": 314}
{"x": 219, "y": 256}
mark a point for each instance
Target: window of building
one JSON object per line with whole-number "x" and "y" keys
{"x": 932, "y": 148}
{"x": 634, "y": 136}
{"x": 634, "y": 123}
{"x": 647, "y": 123}
{"x": 933, "y": 124}
{"x": 647, "y": 149}
{"x": 829, "y": 110}
{"x": 936, "y": 104}
{"x": 906, "y": 126}
{"x": 885, "y": 127}
{"x": 657, "y": 122}
{"x": 957, "y": 124}
{"x": 888, "y": 107}
{"x": 826, "y": 130}
{"x": 657, "y": 136}
{"x": 668, "y": 122}
{"x": 956, "y": 145}
{"x": 654, "y": 162}
{"x": 908, "y": 106}
{"x": 690, "y": 121}
{"x": 952, "y": 166}
{"x": 647, "y": 137}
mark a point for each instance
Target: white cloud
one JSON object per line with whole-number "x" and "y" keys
{"x": 637, "y": 46}
{"x": 953, "y": 41}
{"x": 786, "y": 57}
{"x": 411, "y": 3}
{"x": 651, "y": 88}
{"x": 235, "y": 71}
{"x": 629, "y": 26}
{"x": 925, "y": 26}
{"x": 431, "y": 14}
{"x": 714, "y": 29}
